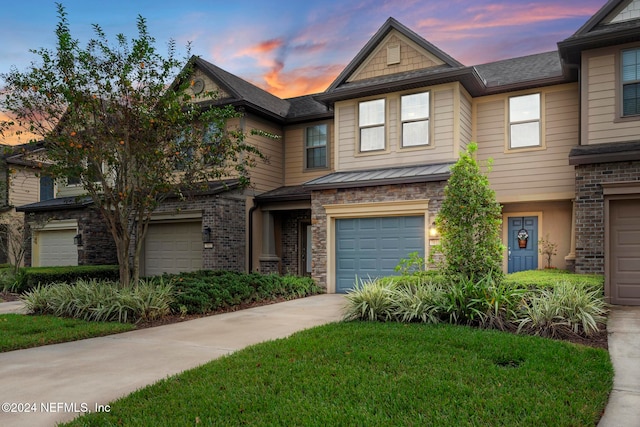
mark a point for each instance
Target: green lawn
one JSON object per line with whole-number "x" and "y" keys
{"x": 381, "y": 374}
{"x": 19, "y": 331}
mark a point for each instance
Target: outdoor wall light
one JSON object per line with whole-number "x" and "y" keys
{"x": 433, "y": 231}
{"x": 206, "y": 234}
{"x": 77, "y": 239}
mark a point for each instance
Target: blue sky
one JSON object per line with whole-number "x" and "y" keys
{"x": 292, "y": 48}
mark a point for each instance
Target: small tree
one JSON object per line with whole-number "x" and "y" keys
{"x": 548, "y": 249}
{"x": 15, "y": 238}
{"x": 470, "y": 222}
{"x": 122, "y": 121}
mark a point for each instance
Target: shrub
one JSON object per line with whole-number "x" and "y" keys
{"x": 95, "y": 300}
{"x": 210, "y": 290}
{"x": 30, "y": 277}
{"x": 420, "y": 302}
{"x": 470, "y": 222}
{"x": 371, "y": 300}
{"x": 563, "y": 310}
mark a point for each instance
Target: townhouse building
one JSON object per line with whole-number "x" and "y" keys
{"x": 357, "y": 176}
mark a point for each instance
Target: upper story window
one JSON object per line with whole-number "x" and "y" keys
{"x": 630, "y": 82}
{"x": 524, "y": 121}
{"x": 415, "y": 119}
{"x": 315, "y": 146}
{"x": 371, "y": 122}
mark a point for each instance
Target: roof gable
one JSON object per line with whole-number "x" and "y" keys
{"x": 234, "y": 90}
{"x": 393, "y": 49}
{"x": 617, "y": 22}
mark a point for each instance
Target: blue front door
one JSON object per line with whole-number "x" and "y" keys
{"x": 523, "y": 243}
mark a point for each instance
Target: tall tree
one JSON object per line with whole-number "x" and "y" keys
{"x": 470, "y": 222}
{"x": 121, "y": 121}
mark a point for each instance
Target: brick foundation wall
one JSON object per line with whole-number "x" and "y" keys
{"x": 434, "y": 191}
{"x": 590, "y": 210}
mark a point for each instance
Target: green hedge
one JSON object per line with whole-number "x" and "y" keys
{"x": 209, "y": 290}
{"x": 30, "y": 277}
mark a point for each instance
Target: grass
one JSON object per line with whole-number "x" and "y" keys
{"x": 19, "y": 331}
{"x": 379, "y": 374}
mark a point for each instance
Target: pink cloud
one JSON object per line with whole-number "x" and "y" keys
{"x": 299, "y": 81}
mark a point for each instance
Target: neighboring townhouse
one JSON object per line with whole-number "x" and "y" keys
{"x": 357, "y": 178}
{"x": 20, "y": 183}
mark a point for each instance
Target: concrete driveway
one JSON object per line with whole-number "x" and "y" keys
{"x": 58, "y": 382}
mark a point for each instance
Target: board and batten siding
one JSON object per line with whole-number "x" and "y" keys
{"x": 294, "y": 139}
{"x": 601, "y": 106}
{"x": 530, "y": 174}
{"x": 444, "y": 130}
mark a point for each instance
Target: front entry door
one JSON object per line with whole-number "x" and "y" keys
{"x": 523, "y": 243}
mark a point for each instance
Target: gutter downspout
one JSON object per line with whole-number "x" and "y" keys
{"x": 251, "y": 211}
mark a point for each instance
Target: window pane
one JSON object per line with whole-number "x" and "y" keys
{"x": 524, "y": 108}
{"x": 372, "y": 113}
{"x": 631, "y": 99}
{"x": 415, "y": 133}
{"x": 525, "y": 135}
{"x": 372, "y": 139}
{"x": 316, "y": 136}
{"x": 630, "y": 65}
{"x": 317, "y": 157}
{"x": 415, "y": 106}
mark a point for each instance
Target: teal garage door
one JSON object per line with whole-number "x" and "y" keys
{"x": 372, "y": 247}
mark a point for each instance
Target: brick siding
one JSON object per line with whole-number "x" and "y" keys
{"x": 590, "y": 210}
{"x": 434, "y": 191}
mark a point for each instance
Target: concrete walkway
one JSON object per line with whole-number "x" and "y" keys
{"x": 623, "y": 408}
{"x": 60, "y": 381}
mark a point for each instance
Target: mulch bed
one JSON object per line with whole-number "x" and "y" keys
{"x": 599, "y": 340}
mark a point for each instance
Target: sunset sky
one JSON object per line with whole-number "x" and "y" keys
{"x": 292, "y": 48}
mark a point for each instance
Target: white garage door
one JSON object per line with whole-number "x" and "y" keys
{"x": 624, "y": 271}
{"x": 56, "y": 247}
{"x": 173, "y": 248}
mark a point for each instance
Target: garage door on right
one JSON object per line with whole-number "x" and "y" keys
{"x": 372, "y": 247}
{"x": 624, "y": 259}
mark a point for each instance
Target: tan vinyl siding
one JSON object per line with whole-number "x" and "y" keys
{"x": 24, "y": 186}
{"x": 601, "y": 121}
{"x": 442, "y": 127}
{"x": 295, "y": 172}
{"x": 412, "y": 57}
{"x": 527, "y": 174}
{"x": 465, "y": 119}
{"x": 267, "y": 175}
{"x": 209, "y": 86}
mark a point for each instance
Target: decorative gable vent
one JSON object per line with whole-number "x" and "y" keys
{"x": 393, "y": 54}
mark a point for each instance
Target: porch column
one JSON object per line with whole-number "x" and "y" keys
{"x": 570, "y": 259}
{"x": 269, "y": 260}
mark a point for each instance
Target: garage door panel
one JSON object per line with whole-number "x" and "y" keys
{"x": 173, "y": 247}
{"x": 378, "y": 245}
{"x": 56, "y": 248}
{"x": 624, "y": 274}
